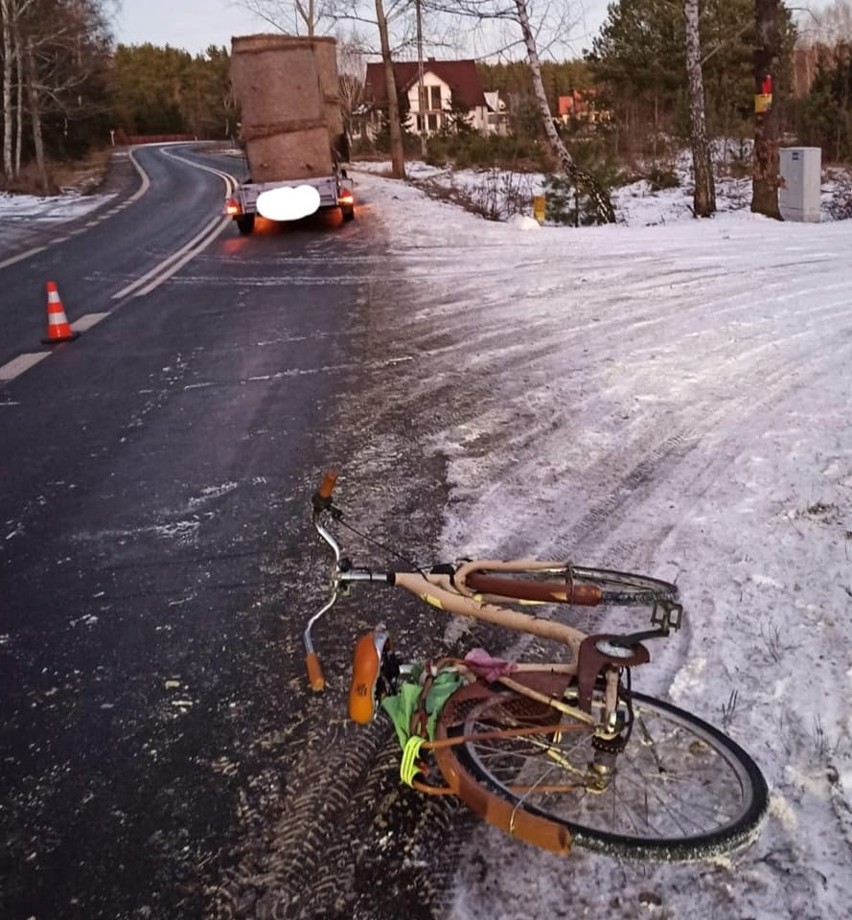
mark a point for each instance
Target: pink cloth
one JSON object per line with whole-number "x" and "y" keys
{"x": 486, "y": 667}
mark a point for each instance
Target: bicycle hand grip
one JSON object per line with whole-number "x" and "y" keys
{"x": 327, "y": 486}
{"x": 315, "y": 675}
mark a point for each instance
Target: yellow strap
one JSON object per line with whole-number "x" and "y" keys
{"x": 408, "y": 769}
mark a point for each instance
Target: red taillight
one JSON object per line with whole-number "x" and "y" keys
{"x": 232, "y": 208}
{"x": 346, "y": 197}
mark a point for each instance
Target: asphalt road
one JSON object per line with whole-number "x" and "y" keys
{"x": 160, "y": 755}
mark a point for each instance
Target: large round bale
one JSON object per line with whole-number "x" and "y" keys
{"x": 325, "y": 53}
{"x": 285, "y": 151}
{"x": 275, "y": 79}
{"x": 278, "y": 83}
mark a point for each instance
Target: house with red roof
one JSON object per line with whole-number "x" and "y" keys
{"x": 581, "y": 105}
{"x": 449, "y": 87}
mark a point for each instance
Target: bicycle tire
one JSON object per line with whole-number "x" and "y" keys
{"x": 626, "y": 589}
{"x": 707, "y": 795}
{"x": 582, "y": 586}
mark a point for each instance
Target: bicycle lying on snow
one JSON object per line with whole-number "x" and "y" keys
{"x": 554, "y": 753}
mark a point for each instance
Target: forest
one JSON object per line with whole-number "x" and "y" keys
{"x": 69, "y": 89}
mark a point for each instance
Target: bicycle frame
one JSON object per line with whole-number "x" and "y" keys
{"x": 439, "y": 590}
{"x": 512, "y": 740}
{"x": 592, "y": 657}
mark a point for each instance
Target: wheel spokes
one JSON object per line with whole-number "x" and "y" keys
{"x": 668, "y": 782}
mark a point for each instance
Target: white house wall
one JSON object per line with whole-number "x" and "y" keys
{"x": 476, "y": 116}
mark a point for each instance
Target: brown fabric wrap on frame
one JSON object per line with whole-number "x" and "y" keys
{"x": 287, "y": 88}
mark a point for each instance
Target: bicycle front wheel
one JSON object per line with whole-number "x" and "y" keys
{"x": 681, "y": 790}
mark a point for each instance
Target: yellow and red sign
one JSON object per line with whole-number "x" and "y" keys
{"x": 763, "y": 99}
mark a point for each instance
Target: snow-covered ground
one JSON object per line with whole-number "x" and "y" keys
{"x": 23, "y": 218}
{"x": 47, "y": 210}
{"x": 672, "y": 396}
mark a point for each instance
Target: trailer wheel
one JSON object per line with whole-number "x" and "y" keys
{"x": 245, "y": 223}
{"x": 347, "y": 214}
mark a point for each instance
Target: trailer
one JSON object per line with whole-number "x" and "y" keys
{"x": 291, "y": 129}
{"x": 334, "y": 192}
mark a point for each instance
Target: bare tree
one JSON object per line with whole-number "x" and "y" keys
{"x": 765, "y": 177}
{"x": 292, "y": 17}
{"x": 396, "y": 149}
{"x": 831, "y": 24}
{"x": 393, "y": 21}
{"x": 351, "y": 70}
{"x": 6, "y": 11}
{"x": 19, "y": 98}
{"x": 517, "y": 11}
{"x": 12, "y": 14}
{"x": 48, "y": 62}
{"x": 579, "y": 176}
{"x": 34, "y": 101}
{"x": 704, "y": 196}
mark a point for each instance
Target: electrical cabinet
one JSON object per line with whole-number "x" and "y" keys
{"x": 799, "y": 196}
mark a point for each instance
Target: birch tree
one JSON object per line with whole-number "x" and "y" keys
{"x": 14, "y": 15}
{"x": 352, "y": 72}
{"x": 517, "y": 12}
{"x": 704, "y": 196}
{"x": 8, "y": 70}
{"x": 34, "y": 100}
{"x": 51, "y": 51}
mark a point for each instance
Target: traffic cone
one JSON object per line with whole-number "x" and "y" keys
{"x": 58, "y": 327}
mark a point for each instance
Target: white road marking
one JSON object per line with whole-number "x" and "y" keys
{"x": 22, "y": 363}
{"x": 215, "y": 228}
{"x": 146, "y": 182}
{"x": 165, "y": 269}
{"x": 87, "y": 321}
{"x": 22, "y": 256}
{"x": 141, "y": 286}
{"x": 177, "y": 260}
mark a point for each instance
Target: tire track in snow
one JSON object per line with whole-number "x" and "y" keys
{"x": 344, "y": 820}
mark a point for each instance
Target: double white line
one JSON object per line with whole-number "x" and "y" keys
{"x": 162, "y": 272}
{"x": 141, "y": 286}
{"x": 146, "y": 183}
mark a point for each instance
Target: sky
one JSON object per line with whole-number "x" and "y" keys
{"x": 195, "y": 24}
{"x": 668, "y": 396}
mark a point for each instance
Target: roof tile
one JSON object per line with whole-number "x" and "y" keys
{"x": 461, "y": 76}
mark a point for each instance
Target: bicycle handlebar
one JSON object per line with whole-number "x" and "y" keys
{"x": 327, "y": 486}
{"x": 321, "y": 499}
{"x": 481, "y": 588}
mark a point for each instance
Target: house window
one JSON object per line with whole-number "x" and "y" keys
{"x": 433, "y": 97}
{"x": 433, "y": 121}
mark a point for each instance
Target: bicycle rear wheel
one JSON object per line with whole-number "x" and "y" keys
{"x": 680, "y": 791}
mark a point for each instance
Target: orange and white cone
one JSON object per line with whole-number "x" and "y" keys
{"x": 58, "y": 327}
